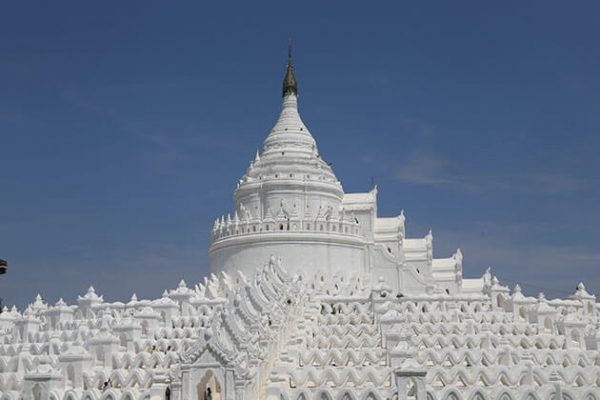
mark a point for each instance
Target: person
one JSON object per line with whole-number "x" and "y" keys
{"x": 105, "y": 386}
{"x": 208, "y": 394}
{"x": 153, "y": 349}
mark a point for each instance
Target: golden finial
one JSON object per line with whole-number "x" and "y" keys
{"x": 289, "y": 81}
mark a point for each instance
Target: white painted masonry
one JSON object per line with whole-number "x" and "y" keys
{"x": 311, "y": 296}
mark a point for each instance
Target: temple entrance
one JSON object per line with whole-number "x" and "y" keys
{"x": 70, "y": 376}
{"x": 37, "y": 392}
{"x": 209, "y": 387}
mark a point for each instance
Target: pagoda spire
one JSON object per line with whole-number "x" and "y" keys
{"x": 289, "y": 81}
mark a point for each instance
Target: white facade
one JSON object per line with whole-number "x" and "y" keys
{"x": 312, "y": 296}
{"x": 290, "y": 203}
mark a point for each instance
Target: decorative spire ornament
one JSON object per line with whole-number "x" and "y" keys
{"x": 289, "y": 81}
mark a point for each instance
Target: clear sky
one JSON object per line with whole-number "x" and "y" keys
{"x": 124, "y": 126}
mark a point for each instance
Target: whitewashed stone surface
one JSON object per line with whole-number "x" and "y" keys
{"x": 312, "y": 296}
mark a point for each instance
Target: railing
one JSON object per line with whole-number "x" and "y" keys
{"x": 233, "y": 228}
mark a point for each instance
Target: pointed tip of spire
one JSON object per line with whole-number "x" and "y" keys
{"x": 289, "y": 81}
{"x": 517, "y": 288}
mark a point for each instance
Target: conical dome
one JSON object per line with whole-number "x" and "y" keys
{"x": 289, "y": 131}
{"x": 289, "y": 173}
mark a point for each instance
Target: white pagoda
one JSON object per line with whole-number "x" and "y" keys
{"x": 289, "y": 203}
{"x": 312, "y": 295}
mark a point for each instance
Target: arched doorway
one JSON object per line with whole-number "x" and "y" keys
{"x": 209, "y": 381}
{"x": 37, "y": 392}
{"x": 548, "y": 323}
{"x": 70, "y": 376}
{"x": 123, "y": 339}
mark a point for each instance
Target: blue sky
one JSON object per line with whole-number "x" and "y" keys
{"x": 125, "y": 125}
